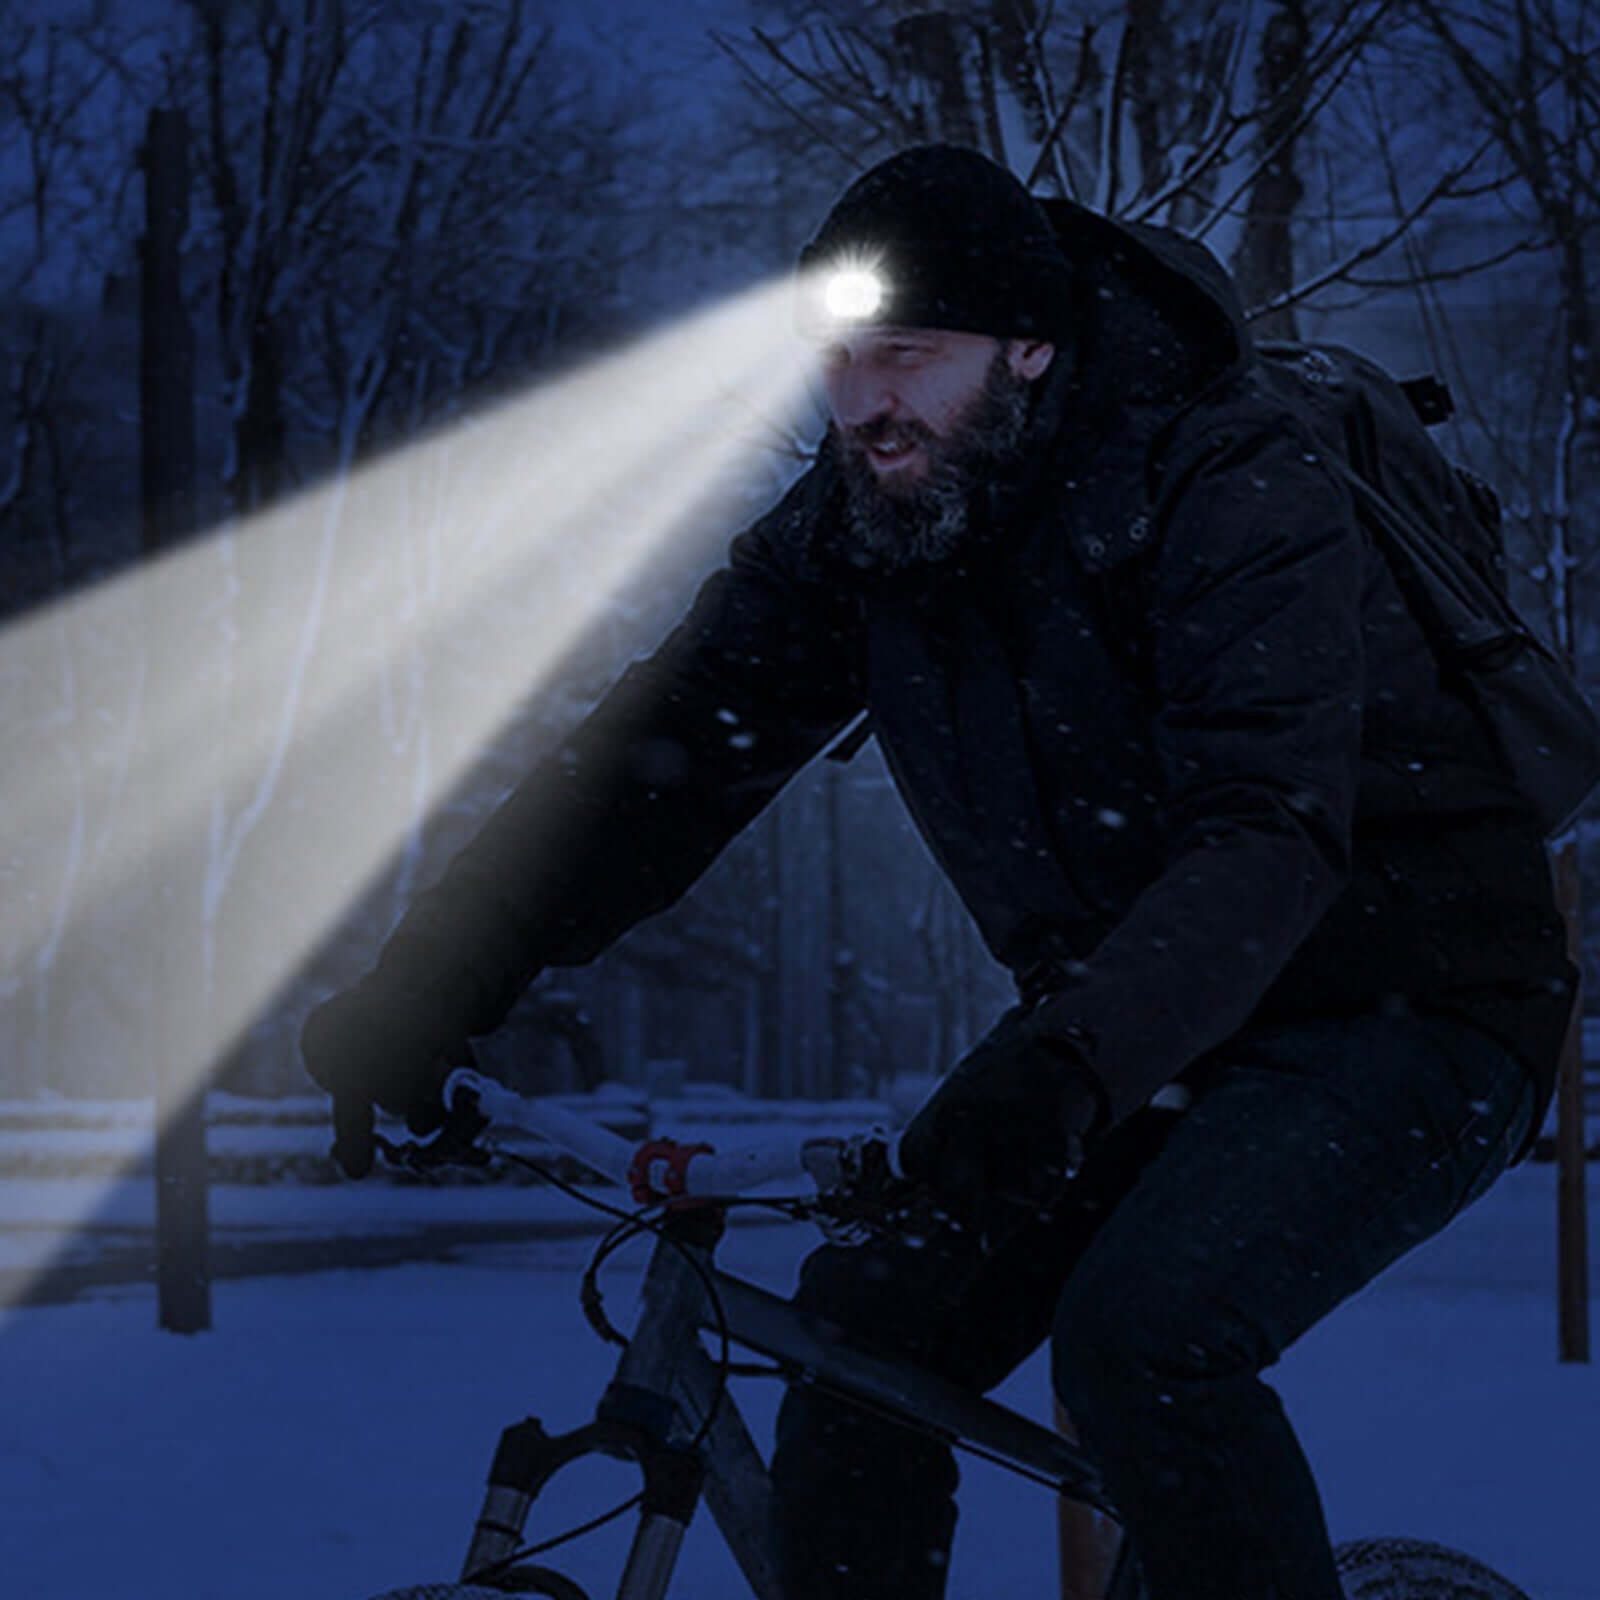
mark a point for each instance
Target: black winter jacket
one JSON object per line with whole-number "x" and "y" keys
{"x": 1168, "y": 727}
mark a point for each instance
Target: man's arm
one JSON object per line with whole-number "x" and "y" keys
{"x": 622, "y": 818}
{"x": 1256, "y": 642}
{"x": 619, "y": 821}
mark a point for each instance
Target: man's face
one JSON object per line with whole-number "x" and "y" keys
{"x": 922, "y": 416}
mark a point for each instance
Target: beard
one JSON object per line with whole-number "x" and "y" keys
{"x": 893, "y": 528}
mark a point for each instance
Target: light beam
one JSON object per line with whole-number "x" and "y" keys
{"x": 424, "y": 596}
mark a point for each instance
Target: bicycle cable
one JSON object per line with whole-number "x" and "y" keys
{"x": 796, "y": 1208}
{"x": 647, "y": 1219}
{"x": 629, "y": 1225}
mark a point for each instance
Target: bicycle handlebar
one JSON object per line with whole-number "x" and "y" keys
{"x": 658, "y": 1169}
{"x": 598, "y": 1148}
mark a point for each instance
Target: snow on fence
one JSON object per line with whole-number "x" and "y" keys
{"x": 287, "y": 1140}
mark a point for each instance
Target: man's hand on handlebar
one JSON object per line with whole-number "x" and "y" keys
{"x": 368, "y": 1055}
{"x": 454, "y": 1145}
{"x": 858, "y": 1192}
{"x": 1005, "y": 1132}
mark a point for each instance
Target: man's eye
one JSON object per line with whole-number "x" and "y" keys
{"x": 906, "y": 353}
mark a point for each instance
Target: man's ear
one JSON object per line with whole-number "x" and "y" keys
{"x": 1029, "y": 358}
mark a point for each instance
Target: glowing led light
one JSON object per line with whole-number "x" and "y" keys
{"x": 854, "y": 293}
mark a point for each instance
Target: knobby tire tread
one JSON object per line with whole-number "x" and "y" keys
{"x": 1417, "y": 1569}
{"x": 442, "y": 1591}
{"x": 553, "y": 1585}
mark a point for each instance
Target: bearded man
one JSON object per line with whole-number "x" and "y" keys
{"x": 1159, "y": 710}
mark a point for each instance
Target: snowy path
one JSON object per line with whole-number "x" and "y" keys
{"x": 329, "y": 1438}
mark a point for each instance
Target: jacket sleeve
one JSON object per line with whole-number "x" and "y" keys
{"x": 1256, "y": 650}
{"x": 621, "y": 819}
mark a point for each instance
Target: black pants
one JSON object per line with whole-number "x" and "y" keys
{"x": 1193, "y": 1251}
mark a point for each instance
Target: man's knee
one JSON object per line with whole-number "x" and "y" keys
{"x": 843, "y": 1283}
{"x": 901, "y": 1301}
{"x": 1139, "y": 1339}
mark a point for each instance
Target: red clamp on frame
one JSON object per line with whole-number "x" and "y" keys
{"x": 675, "y": 1158}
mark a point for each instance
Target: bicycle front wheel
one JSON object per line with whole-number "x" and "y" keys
{"x": 528, "y": 1580}
{"x": 1415, "y": 1569}
{"x": 442, "y": 1591}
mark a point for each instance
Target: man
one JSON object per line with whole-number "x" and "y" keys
{"x": 1157, "y": 707}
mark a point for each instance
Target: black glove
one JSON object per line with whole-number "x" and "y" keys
{"x": 998, "y": 1141}
{"x": 367, "y": 1051}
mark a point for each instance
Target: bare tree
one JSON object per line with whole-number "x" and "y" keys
{"x": 1533, "y": 85}
{"x": 1264, "y": 260}
{"x": 64, "y": 231}
{"x": 393, "y": 219}
{"x": 1527, "y": 68}
{"x": 397, "y": 223}
{"x": 65, "y": 706}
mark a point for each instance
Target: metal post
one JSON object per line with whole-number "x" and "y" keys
{"x": 167, "y": 459}
{"x": 839, "y": 1054}
{"x": 1572, "y": 1220}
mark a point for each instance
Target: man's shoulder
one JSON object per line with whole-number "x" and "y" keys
{"x": 1234, "y": 412}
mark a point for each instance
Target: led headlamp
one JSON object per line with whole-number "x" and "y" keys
{"x": 854, "y": 293}
{"x": 953, "y": 241}
{"x": 841, "y": 293}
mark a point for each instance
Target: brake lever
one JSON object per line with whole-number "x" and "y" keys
{"x": 454, "y": 1145}
{"x": 860, "y": 1195}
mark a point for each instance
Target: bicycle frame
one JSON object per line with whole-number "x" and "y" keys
{"x": 667, "y": 1410}
{"x": 666, "y": 1385}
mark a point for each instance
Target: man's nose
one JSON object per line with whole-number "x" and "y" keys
{"x": 858, "y": 394}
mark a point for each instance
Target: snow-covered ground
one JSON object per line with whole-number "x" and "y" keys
{"x": 329, "y": 1438}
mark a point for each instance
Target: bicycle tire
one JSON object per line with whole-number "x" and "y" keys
{"x": 1416, "y": 1569}
{"x": 442, "y": 1591}
{"x": 528, "y": 1580}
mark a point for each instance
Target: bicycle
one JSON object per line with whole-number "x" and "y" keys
{"x": 668, "y": 1407}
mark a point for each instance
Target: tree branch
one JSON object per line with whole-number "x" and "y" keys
{"x": 1340, "y": 270}
{"x": 765, "y": 90}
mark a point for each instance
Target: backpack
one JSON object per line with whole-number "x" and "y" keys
{"x": 1440, "y": 528}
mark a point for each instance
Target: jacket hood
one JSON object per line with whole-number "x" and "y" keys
{"x": 1159, "y": 328}
{"x": 1159, "y": 318}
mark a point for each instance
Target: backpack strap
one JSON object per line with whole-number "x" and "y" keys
{"x": 1465, "y": 617}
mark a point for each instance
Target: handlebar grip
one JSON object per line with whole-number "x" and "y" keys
{"x": 608, "y": 1153}
{"x": 354, "y": 1134}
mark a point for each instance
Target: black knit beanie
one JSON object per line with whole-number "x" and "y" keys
{"x": 956, "y": 241}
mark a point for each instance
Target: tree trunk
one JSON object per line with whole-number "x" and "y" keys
{"x": 1148, "y": 90}
{"x": 1572, "y": 1217}
{"x": 766, "y": 1072}
{"x": 1264, "y": 261}
{"x": 931, "y": 50}
{"x": 1578, "y": 482}
{"x": 174, "y": 934}
{"x": 839, "y": 1062}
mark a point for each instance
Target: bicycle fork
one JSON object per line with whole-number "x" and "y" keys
{"x": 528, "y": 1457}
{"x": 662, "y": 1411}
